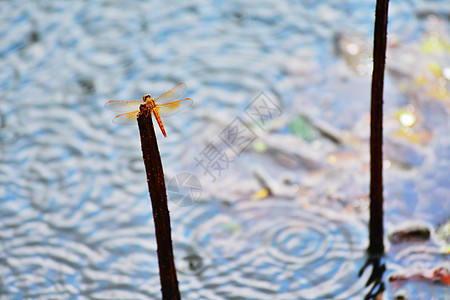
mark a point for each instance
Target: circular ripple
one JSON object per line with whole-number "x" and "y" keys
{"x": 297, "y": 243}
{"x": 278, "y": 248}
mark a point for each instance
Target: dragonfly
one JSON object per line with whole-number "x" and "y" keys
{"x": 163, "y": 106}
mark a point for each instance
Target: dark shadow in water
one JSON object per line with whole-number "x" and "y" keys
{"x": 375, "y": 279}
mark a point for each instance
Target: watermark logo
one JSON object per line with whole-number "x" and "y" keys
{"x": 237, "y": 136}
{"x": 262, "y": 110}
{"x": 213, "y": 160}
{"x": 184, "y": 189}
{"x": 217, "y": 156}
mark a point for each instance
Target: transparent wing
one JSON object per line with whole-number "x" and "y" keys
{"x": 171, "y": 108}
{"x": 126, "y": 119}
{"x": 172, "y": 94}
{"x": 123, "y": 106}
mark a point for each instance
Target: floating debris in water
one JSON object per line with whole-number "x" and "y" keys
{"x": 439, "y": 275}
{"x": 87, "y": 85}
{"x": 263, "y": 193}
{"x": 402, "y": 154}
{"x": 356, "y": 49}
{"x": 443, "y": 234}
{"x": 300, "y": 127}
{"x": 281, "y": 187}
{"x": 328, "y": 131}
{"x": 412, "y": 234}
{"x": 259, "y": 146}
{"x": 292, "y": 152}
{"x": 191, "y": 264}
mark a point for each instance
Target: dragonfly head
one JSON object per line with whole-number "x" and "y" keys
{"x": 147, "y": 97}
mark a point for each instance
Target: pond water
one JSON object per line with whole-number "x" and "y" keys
{"x": 267, "y": 172}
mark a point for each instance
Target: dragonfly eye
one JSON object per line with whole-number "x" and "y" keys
{"x": 146, "y": 97}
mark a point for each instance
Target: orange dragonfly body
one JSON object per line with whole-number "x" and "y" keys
{"x": 163, "y": 106}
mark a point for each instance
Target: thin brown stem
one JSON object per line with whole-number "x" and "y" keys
{"x": 376, "y": 244}
{"x": 158, "y": 196}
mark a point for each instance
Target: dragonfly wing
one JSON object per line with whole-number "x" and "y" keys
{"x": 127, "y": 118}
{"x": 123, "y": 106}
{"x": 172, "y": 94}
{"x": 171, "y": 108}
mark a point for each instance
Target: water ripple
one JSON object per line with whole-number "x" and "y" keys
{"x": 75, "y": 218}
{"x": 276, "y": 247}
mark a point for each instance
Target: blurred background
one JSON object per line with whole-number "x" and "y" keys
{"x": 267, "y": 172}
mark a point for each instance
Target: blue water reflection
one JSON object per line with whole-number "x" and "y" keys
{"x": 286, "y": 218}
